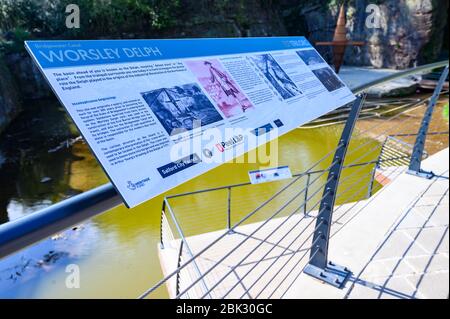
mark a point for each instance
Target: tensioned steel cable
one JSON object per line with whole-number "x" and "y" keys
{"x": 351, "y": 151}
{"x": 240, "y": 244}
{"x": 290, "y": 258}
{"x": 362, "y": 167}
{"x": 377, "y": 115}
{"x": 279, "y": 256}
{"x": 162, "y": 281}
{"x": 310, "y": 184}
{"x": 293, "y": 281}
{"x": 348, "y": 210}
{"x": 265, "y": 239}
{"x": 313, "y": 219}
{"x": 295, "y": 266}
{"x": 287, "y": 276}
{"x": 270, "y": 249}
{"x": 364, "y": 155}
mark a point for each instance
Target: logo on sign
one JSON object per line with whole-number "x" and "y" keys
{"x": 230, "y": 143}
{"x": 133, "y": 186}
{"x": 207, "y": 153}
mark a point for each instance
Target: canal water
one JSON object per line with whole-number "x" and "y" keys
{"x": 116, "y": 252}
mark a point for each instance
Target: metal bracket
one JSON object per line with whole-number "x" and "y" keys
{"x": 333, "y": 274}
{"x": 421, "y": 173}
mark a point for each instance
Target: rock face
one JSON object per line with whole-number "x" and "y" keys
{"x": 398, "y": 33}
{"x": 20, "y": 80}
{"x": 30, "y": 81}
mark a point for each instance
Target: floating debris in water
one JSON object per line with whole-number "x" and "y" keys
{"x": 66, "y": 144}
{"x": 45, "y": 179}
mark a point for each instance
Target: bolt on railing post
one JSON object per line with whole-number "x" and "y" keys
{"x": 372, "y": 180}
{"x": 180, "y": 252}
{"x": 308, "y": 180}
{"x": 416, "y": 157}
{"x": 163, "y": 210}
{"x": 319, "y": 266}
{"x": 229, "y": 209}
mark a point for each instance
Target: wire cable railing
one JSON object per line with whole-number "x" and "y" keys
{"x": 249, "y": 236}
{"x": 393, "y": 152}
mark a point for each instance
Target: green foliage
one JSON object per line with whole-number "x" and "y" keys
{"x": 21, "y": 19}
{"x": 14, "y": 43}
{"x": 445, "y": 112}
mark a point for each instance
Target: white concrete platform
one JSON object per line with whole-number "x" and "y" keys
{"x": 395, "y": 243}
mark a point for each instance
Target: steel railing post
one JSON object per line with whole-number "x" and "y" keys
{"x": 372, "y": 180}
{"x": 178, "y": 278}
{"x": 308, "y": 181}
{"x": 319, "y": 266}
{"x": 163, "y": 210}
{"x": 416, "y": 157}
{"x": 229, "y": 209}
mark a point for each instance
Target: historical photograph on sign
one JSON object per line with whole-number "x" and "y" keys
{"x": 328, "y": 79}
{"x": 276, "y": 76}
{"x": 220, "y": 86}
{"x": 310, "y": 57}
{"x": 179, "y": 107}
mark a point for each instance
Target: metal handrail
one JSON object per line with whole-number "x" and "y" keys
{"x": 28, "y": 230}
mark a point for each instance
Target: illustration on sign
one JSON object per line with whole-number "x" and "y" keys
{"x": 178, "y": 107}
{"x": 220, "y": 86}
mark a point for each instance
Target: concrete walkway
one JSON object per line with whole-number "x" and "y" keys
{"x": 397, "y": 243}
